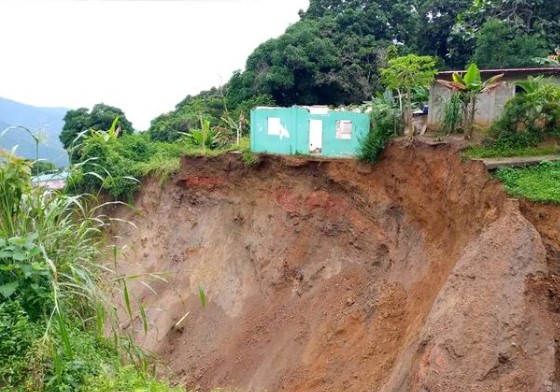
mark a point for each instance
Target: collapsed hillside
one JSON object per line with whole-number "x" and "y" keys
{"x": 417, "y": 274}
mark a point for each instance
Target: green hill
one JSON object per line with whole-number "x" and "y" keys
{"x": 46, "y": 121}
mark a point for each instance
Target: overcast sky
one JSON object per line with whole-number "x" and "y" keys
{"x": 142, "y": 56}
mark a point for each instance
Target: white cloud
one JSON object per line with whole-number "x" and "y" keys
{"x": 142, "y": 56}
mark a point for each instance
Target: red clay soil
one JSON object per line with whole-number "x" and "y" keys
{"x": 416, "y": 274}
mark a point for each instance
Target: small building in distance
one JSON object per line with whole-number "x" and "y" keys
{"x": 489, "y": 105}
{"x": 307, "y": 130}
{"x": 52, "y": 181}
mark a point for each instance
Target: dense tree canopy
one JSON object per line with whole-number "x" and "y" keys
{"x": 100, "y": 118}
{"x": 500, "y": 45}
{"x": 534, "y": 18}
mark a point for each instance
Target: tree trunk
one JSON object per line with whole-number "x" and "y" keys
{"x": 408, "y": 117}
{"x": 472, "y": 112}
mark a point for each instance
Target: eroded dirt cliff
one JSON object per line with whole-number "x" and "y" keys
{"x": 417, "y": 274}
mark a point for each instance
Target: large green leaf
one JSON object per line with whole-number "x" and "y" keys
{"x": 457, "y": 78}
{"x": 472, "y": 78}
{"x": 6, "y": 290}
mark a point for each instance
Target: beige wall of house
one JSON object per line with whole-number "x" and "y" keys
{"x": 489, "y": 106}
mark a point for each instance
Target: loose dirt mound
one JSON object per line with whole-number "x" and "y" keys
{"x": 417, "y": 274}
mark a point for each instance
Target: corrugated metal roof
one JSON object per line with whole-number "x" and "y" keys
{"x": 50, "y": 177}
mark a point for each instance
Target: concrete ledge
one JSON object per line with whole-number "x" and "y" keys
{"x": 495, "y": 163}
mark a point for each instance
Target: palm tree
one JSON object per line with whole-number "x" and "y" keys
{"x": 469, "y": 87}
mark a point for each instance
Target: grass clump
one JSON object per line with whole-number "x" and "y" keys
{"x": 476, "y": 151}
{"x": 452, "y": 115}
{"x": 55, "y": 305}
{"x": 126, "y": 379}
{"x": 539, "y": 183}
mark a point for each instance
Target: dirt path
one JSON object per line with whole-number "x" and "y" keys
{"x": 417, "y": 274}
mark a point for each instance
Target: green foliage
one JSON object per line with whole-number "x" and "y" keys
{"x": 476, "y": 151}
{"x": 386, "y": 122}
{"x": 433, "y": 37}
{"x": 499, "y": 45}
{"x": 317, "y": 61}
{"x": 186, "y": 116}
{"x": 17, "y": 335}
{"x": 125, "y": 379}
{"x": 110, "y": 165}
{"x": 205, "y": 137}
{"x": 116, "y": 165}
{"x": 529, "y": 117}
{"x": 54, "y": 293}
{"x": 537, "y": 183}
{"x": 407, "y": 73}
{"x": 82, "y": 120}
{"x": 43, "y": 167}
{"x": 452, "y": 115}
{"x": 25, "y": 274}
{"x": 536, "y": 18}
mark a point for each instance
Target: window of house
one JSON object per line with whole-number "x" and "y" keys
{"x": 344, "y": 129}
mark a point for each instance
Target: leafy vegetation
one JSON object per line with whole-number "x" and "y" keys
{"x": 529, "y": 117}
{"x": 536, "y": 19}
{"x": 126, "y": 379}
{"x": 500, "y": 45}
{"x": 43, "y": 167}
{"x": 538, "y": 183}
{"x": 115, "y": 165}
{"x": 386, "y": 122}
{"x": 54, "y": 292}
{"x": 477, "y": 151}
{"x": 82, "y": 121}
{"x": 406, "y": 73}
{"x": 452, "y": 115}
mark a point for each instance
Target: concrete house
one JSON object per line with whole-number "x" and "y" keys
{"x": 489, "y": 106}
{"x": 312, "y": 130}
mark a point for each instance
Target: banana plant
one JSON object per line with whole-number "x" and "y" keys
{"x": 469, "y": 86}
{"x": 205, "y": 137}
{"x": 532, "y": 84}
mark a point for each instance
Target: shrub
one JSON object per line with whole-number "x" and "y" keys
{"x": 538, "y": 183}
{"x": 125, "y": 379}
{"x": 452, "y": 115}
{"x": 54, "y": 294}
{"x": 17, "y": 335}
{"x": 386, "y": 122}
{"x": 529, "y": 117}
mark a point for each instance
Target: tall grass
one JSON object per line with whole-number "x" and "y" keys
{"x": 452, "y": 115}
{"x": 52, "y": 282}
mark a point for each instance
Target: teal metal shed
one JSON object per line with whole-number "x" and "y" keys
{"x": 313, "y": 130}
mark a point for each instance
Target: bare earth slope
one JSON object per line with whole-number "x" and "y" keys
{"x": 417, "y": 274}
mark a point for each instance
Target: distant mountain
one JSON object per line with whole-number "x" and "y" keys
{"x": 48, "y": 122}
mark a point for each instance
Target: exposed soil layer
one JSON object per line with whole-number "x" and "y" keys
{"x": 416, "y": 274}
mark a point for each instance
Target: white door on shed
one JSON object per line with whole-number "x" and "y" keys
{"x": 315, "y": 136}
